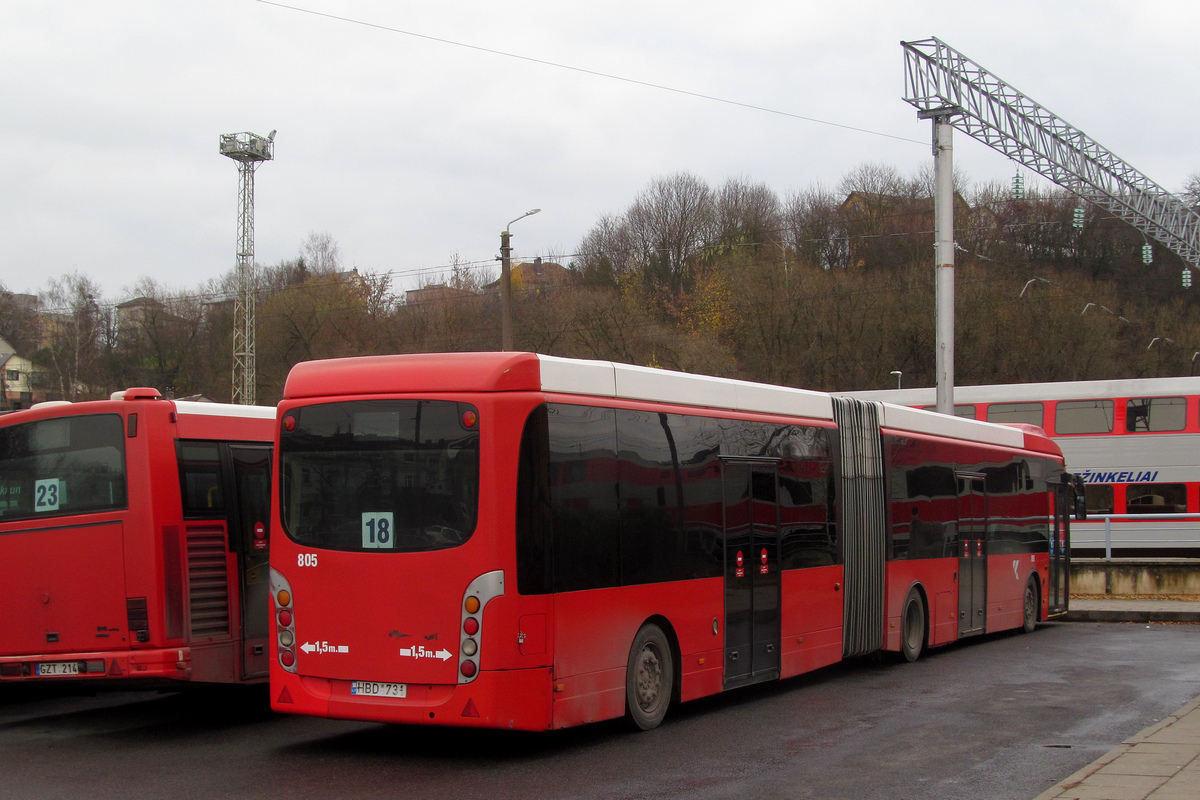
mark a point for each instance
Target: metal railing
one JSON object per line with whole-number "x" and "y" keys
{"x": 1108, "y": 518}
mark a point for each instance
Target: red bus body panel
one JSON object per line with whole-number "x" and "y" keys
{"x": 67, "y": 580}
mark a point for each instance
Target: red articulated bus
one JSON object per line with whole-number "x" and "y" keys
{"x": 133, "y": 541}
{"x": 519, "y": 541}
{"x": 1135, "y": 445}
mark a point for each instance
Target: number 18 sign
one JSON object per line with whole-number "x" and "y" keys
{"x": 377, "y": 530}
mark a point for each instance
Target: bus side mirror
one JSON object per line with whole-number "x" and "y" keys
{"x": 1080, "y": 497}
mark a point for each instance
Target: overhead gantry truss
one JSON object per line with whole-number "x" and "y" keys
{"x": 939, "y": 78}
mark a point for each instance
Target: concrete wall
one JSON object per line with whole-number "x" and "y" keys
{"x": 1124, "y": 576}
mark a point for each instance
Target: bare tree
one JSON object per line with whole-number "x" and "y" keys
{"x": 72, "y": 319}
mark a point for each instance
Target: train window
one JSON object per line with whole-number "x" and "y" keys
{"x": 966, "y": 410}
{"x": 1028, "y": 413}
{"x": 1151, "y": 414}
{"x": 1099, "y": 498}
{"x": 1084, "y": 416}
{"x": 1155, "y": 498}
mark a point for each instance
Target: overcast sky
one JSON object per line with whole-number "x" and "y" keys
{"x": 409, "y": 151}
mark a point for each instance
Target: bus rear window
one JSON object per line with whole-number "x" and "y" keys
{"x": 380, "y": 475}
{"x": 56, "y": 467}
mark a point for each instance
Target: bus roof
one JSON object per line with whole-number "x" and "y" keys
{"x": 530, "y": 372}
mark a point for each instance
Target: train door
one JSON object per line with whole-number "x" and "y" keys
{"x": 248, "y": 530}
{"x": 752, "y": 577}
{"x": 1059, "y": 579}
{"x": 972, "y": 554}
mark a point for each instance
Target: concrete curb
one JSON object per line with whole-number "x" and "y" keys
{"x": 1129, "y": 615}
{"x": 1156, "y": 783}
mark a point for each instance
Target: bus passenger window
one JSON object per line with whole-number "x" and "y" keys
{"x": 200, "y": 475}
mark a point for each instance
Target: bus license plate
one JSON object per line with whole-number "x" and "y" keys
{"x": 57, "y": 668}
{"x": 376, "y": 689}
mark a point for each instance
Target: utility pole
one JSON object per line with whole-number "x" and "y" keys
{"x": 249, "y": 150}
{"x": 943, "y": 223}
{"x": 506, "y": 282}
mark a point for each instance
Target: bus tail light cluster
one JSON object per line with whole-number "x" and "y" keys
{"x": 138, "y": 618}
{"x": 282, "y": 605}
{"x": 470, "y": 633}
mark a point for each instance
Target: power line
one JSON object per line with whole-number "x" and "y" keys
{"x": 592, "y": 72}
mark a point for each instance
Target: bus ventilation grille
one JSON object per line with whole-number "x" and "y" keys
{"x": 208, "y": 585}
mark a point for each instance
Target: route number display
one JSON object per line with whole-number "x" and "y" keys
{"x": 378, "y": 531}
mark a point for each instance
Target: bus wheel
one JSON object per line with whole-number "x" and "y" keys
{"x": 912, "y": 637}
{"x": 1031, "y": 607}
{"x": 649, "y": 678}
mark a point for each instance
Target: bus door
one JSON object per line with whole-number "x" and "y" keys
{"x": 1059, "y": 579}
{"x": 752, "y": 577}
{"x": 972, "y": 554}
{"x": 248, "y": 530}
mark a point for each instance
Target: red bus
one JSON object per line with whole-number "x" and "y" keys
{"x": 519, "y": 541}
{"x": 133, "y": 541}
{"x": 1134, "y": 443}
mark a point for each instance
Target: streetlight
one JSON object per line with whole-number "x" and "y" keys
{"x": 506, "y": 283}
{"x": 898, "y": 375}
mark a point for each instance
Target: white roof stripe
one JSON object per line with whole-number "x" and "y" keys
{"x": 606, "y": 379}
{"x": 193, "y": 408}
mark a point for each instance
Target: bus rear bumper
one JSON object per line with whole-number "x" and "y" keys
{"x": 516, "y": 699}
{"x": 172, "y": 663}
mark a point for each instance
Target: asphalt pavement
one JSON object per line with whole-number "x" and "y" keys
{"x": 1161, "y": 762}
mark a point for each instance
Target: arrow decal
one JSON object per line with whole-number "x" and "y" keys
{"x": 421, "y": 652}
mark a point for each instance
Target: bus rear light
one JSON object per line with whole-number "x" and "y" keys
{"x": 285, "y": 620}
{"x": 11, "y": 670}
{"x": 469, "y": 418}
{"x": 289, "y": 423}
{"x": 138, "y": 618}
{"x": 475, "y": 599}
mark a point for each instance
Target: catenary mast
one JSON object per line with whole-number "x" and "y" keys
{"x": 937, "y": 76}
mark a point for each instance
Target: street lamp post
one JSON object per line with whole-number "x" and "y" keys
{"x": 898, "y": 375}
{"x": 506, "y": 283}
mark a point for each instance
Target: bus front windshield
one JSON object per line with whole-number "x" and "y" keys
{"x": 380, "y": 475}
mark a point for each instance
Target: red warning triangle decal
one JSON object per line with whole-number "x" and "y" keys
{"x": 116, "y": 669}
{"x": 470, "y": 710}
{"x": 285, "y": 696}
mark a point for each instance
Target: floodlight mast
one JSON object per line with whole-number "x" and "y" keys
{"x": 990, "y": 110}
{"x": 249, "y": 150}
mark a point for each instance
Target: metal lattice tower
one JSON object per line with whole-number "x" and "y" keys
{"x": 986, "y": 108}
{"x": 249, "y": 150}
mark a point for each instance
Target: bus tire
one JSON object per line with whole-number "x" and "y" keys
{"x": 1033, "y": 602}
{"x": 912, "y": 632}
{"x": 649, "y": 678}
